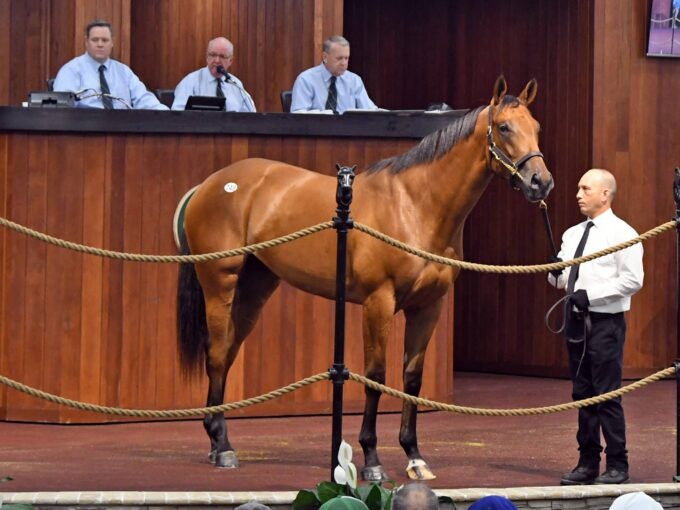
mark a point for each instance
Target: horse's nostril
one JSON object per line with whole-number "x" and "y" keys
{"x": 535, "y": 181}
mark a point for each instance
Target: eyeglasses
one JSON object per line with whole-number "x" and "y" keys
{"x": 213, "y": 56}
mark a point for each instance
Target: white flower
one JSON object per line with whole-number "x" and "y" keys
{"x": 346, "y": 472}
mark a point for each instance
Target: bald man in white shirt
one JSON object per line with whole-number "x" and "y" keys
{"x": 596, "y": 327}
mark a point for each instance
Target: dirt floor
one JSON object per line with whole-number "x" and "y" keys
{"x": 294, "y": 453}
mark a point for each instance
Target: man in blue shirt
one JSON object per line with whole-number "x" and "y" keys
{"x": 330, "y": 86}
{"x": 208, "y": 81}
{"x": 100, "y": 81}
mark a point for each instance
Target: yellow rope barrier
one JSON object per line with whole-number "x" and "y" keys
{"x": 174, "y": 413}
{"x": 452, "y": 408}
{"x": 488, "y": 268}
{"x": 139, "y": 257}
{"x": 471, "y": 266}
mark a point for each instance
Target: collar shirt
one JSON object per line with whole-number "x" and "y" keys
{"x": 203, "y": 83}
{"x": 82, "y": 74}
{"x": 310, "y": 91}
{"x": 611, "y": 280}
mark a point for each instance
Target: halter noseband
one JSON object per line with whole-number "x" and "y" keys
{"x": 513, "y": 167}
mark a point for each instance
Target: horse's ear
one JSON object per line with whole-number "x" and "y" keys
{"x": 529, "y": 93}
{"x": 499, "y": 90}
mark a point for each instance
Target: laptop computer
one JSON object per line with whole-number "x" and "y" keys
{"x": 205, "y": 103}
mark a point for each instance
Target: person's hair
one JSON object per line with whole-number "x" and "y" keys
{"x": 608, "y": 181}
{"x": 334, "y": 39}
{"x": 414, "y": 496}
{"x": 253, "y": 505}
{"x": 98, "y": 23}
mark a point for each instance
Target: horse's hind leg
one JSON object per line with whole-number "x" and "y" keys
{"x": 377, "y": 315}
{"x": 231, "y": 314}
{"x": 420, "y": 324}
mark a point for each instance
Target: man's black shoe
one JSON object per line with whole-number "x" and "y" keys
{"x": 581, "y": 475}
{"x": 612, "y": 476}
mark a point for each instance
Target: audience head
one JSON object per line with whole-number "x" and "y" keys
{"x": 99, "y": 40}
{"x": 635, "y": 501}
{"x": 596, "y": 191}
{"x": 253, "y": 505}
{"x": 336, "y": 54}
{"x": 220, "y": 53}
{"x": 414, "y": 496}
{"x": 493, "y": 503}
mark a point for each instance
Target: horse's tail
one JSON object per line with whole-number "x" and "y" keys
{"x": 192, "y": 327}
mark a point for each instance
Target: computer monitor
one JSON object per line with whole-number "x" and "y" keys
{"x": 51, "y": 99}
{"x": 205, "y": 103}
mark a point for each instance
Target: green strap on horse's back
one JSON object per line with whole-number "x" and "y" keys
{"x": 178, "y": 220}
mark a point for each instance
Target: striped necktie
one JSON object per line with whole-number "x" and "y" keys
{"x": 108, "y": 102}
{"x": 218, "y": 91}
{"x": 332, "y": 101}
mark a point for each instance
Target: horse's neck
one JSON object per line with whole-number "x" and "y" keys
{"x": 453, "y": 185}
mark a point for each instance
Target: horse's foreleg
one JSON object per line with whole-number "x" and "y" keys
{"x": 377, "y": 315}
{"x": 420, "y": 324}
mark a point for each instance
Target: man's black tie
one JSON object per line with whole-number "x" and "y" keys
{"x": 108, "y": 102}
{"x": 218, "y": 91}
{"x": 573, "y": 273}
{"x": 332, "y": 101}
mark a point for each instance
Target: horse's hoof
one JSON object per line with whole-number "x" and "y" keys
{"x": 226, "y": 459}
{"x": 374, "y": 474}
{"x": 211, "y": 456}
{"x": 418, "y": 469}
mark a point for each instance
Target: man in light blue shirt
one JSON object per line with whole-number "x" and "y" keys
{"x": 100, "y": 81}
{"x": 209, "y": 81}
{"x": 330, "y": 86}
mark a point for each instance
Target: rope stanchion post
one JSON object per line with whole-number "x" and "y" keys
{"x": 676, "y": 197}
{"x": 338, "y": 372}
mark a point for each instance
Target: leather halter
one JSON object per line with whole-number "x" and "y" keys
{"x": 514, "y": 167}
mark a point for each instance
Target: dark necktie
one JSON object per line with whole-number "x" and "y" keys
{"x": 332, "y": 101}
{"x": 108, "y": 102}
{"x": 573, "y": 273}
{"x": 218, "y": 91}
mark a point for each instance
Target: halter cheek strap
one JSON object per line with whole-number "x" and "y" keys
{"x": 514, "y": 167}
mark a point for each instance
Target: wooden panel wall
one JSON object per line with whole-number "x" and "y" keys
{"x": 42, "y": 35}
{"x": 103, "y": 331}
{"x": 467, "y": 44}
{"x": 636, "y": 118}
{"x": 274, "y": 40}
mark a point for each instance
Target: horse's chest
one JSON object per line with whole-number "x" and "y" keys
{"x": 431, "y": 283}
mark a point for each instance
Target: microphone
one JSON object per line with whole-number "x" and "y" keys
{"x": 223, "y": 71}
{"x": 245, "y": 97}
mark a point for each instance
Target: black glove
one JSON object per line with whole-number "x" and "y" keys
{"x": 557, "y": 272}
{"x": 580, "y": 299}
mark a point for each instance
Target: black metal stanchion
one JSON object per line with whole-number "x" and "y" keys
{"x": 339, "y": 374}
{"x": 676, "y": 197}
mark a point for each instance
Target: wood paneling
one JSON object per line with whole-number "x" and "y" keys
{"x": 273, "y": 40}
{"x": 42, "y": 35}
{"x": 103, "y": 331}
{"x": 636, "y": 118}
{"x": 467, "y": 44}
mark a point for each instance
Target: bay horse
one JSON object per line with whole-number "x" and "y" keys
{"x": 421, "y": 197}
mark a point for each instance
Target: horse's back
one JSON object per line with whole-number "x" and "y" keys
{"x": 254, "y": 200}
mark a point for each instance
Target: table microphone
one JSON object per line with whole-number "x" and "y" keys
{"x": 224, "y": 72}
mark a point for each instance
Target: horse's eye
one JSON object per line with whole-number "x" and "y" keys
{"x": 503, "y": 128}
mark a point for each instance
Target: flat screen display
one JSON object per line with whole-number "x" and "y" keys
{"x": 664, "y": 29}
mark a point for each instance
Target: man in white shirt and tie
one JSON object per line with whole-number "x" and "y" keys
{"x": 599, "y": 293}
{"x": 330, "y": 86}
{"x": 101, "y": 81}
{"x": 214, "y": 80}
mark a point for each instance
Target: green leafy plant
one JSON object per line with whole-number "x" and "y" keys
{"x": 6, "y": 479}
{"x": 344, "y": 491}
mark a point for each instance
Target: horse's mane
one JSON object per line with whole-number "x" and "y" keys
{"x": 438, "y": 143}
